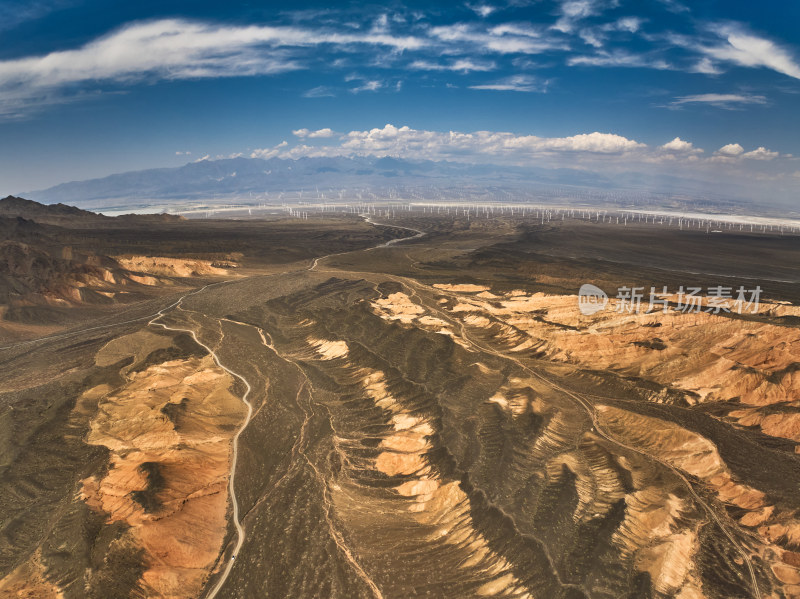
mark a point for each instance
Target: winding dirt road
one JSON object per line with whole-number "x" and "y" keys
{"x": 235, "y": 444}
{"x": 240, "y": 531}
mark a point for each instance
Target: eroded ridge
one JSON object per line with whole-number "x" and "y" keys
{"x": 169, "y": 433}
{"x": 150, "y": 512}
{"x": 725, "y": 356}
{"x": 458, "y": 455}
{"x": 396, "y": 499}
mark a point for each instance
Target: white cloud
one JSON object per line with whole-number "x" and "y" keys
{"x": 602, "y": 152}
{"x": 574, "y": 11}
{"x": 272, "y": 152}
{"x": 517, "y": 83}
{"x": 674, "y": 6}
{"x": 520, "y": 29}
{"x": 319, "y": 133}
{"x": 731, "y": 150}
{"x": 320, "y": 91}
{"x": 592, "y": 37}
{"x": 179, "y": 153}
{"x": 604, "y": 143}
{"x": 509, "y": 38}
{"x": 326, "y": 132}
{"x": 404, "y": 141}
{"x": 381, "y": 23}
{"x": 734, "y": 152}
{"x": 679, "y": 145}
{"x": 597, "y": 36}
{"x": 15, "y": 12}
{"x": 728, "y": 101}
{"x": 175, "y": 49}
{"x": 465, "y": 65}
{"x": 751, "y": 51}
{"x": 368, "y": 86}
{"x": 706, "y": 67}
{"x": 619, "y": 58}
{"x": 629, "y": 24}
{"x": 483, "y": 10}
{"x": 171, "y": 49}
{"x": 761, "y": 153}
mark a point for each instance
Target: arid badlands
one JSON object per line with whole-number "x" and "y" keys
{"x": 349, "y": 406}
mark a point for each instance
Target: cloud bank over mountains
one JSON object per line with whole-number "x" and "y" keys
{"x": 402, "y": 156}
{"x": 586, "y": 150}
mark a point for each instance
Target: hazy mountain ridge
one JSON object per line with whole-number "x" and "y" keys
{"x": 242, "y": 176}
{"x": 237, "y": 179}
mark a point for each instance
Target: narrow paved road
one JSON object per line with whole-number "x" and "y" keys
{"x": 232, "y": 478}
{"x": 240, "y": 531}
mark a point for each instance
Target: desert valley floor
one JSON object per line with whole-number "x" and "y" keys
{"x": 337, "y": 408}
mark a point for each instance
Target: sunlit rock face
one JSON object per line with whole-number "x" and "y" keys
{"x": 156, "y": 498}
{"x": 168, "y": 431}
{"x": 173, "y": 267}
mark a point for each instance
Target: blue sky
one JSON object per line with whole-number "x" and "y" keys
{"x": 711, "y": 89}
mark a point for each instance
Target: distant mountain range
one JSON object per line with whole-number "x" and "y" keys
{"x": 240, "y": 178}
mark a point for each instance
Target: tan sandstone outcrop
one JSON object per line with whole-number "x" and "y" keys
{"x": 169, "y": 431}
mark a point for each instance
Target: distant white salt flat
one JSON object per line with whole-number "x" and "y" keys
{"x": 173, "y": 208}
{"x": 737, "y": 219}
{"x": 122, "y": 211}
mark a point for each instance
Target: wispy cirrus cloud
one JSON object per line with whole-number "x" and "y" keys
{"x": 388, "y": 47}
{"x": 465, "y": 65}
{"x": 727, "y": 101}
{"x": 16, "y": 12}
{"x": 705, "y": 66}
{"x": 369, "y": 85}
{"x": 482, "y": 10}
{"x": 321, "y": 91}
{"x": 575, "y": 11}
{"x": 509, "y": 38}
{"x": 675, "y": 6}
{"x": 722, "y": 45}
{"x": 748, "y": 50}
{"x": 598, "y": 36}
{"x": 170, "y": 49}
{"x": 516, "y": 83}
{"x": 620, "y": 58}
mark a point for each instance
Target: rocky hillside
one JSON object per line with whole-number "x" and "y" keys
{"x": 71, "y": 216}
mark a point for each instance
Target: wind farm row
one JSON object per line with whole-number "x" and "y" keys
{"x": 395, "y": 210}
